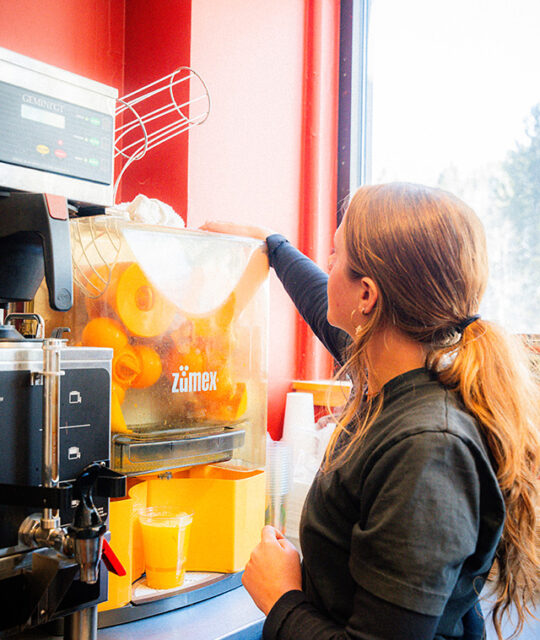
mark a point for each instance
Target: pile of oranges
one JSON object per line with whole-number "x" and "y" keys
{"x": 150, "y": 337}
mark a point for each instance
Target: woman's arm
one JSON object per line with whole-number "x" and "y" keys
{"x": 273, "y": 579}
{"x": 306, "y": 284}
{"x": 294, "y": 618}
{"x": 303, "y": 280}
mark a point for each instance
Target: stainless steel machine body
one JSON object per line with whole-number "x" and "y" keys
{"x": 40, "y": 577}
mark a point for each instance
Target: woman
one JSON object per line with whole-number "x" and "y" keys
{"x": 430, "y": 480}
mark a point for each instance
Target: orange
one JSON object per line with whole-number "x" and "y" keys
{"x": 119, "y": 390}
{"x": 218, "y": 349}
{"x": 126, "y": 366}
{"x": 104, "y": 332}
{"x": 191, "y": 359}
{"x": 215, "y": 402}
{"x": 229, "y": 408}
{"x": 95, "y": 279}
{"x": 143, "y": 310}
{"x": 204, "y": 327}
{"x": 212, "y": 324}
{"x": 182, "y": 335}
{"x": 118, "y": 423}
{"x": 150, "y": 366}
{"x": 225, "y": 386}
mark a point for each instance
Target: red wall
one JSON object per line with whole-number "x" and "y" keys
{"x": 81, "y": 36}
{"x": 157, "y": 42}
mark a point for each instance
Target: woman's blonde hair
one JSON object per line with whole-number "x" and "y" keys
{"x": 426, "y": 251}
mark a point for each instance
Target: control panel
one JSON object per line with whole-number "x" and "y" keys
{"x": 48, "y": 134}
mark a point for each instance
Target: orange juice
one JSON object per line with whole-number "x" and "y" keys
{"x": 165, "y": 535}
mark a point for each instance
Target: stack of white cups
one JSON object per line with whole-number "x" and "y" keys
{"x": 300, "y": 435}
{"x": 278, "y": 469}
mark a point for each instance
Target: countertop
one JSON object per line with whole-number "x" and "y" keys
{"x": 229, "y": 616}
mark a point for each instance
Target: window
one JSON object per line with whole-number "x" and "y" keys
{"x": 453, "y": 100}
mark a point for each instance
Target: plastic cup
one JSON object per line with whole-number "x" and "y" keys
{"x": 165, "y": 534}
{"x": 299, "y": 415}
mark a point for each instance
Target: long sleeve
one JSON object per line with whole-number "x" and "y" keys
{"x": 293, "y": 617}
{"x": 306, "y": 284}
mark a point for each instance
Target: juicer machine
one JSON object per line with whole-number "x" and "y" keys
{"x": 153, "y": 367}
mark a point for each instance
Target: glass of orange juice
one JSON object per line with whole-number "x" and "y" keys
{"x": 165, "y": 534}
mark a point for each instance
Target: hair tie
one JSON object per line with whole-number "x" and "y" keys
{"x": 465, "y": 323}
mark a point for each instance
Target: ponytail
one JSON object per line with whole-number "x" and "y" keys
{"x": 490, "y": 370}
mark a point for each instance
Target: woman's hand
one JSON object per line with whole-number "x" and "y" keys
{"x": 260, "y": 233}
{"x": 272, "y": 570}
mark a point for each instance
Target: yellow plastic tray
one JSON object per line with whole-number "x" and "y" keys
{"x": 228, "y": 507}
{"x": 326, "y": 393}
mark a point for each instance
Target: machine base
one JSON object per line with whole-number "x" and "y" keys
{"x": 150, "y": 602}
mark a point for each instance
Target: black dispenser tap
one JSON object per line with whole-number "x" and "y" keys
{"x": 87, "y": 530}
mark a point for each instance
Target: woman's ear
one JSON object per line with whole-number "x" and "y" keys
{"x": 369, "y": 294}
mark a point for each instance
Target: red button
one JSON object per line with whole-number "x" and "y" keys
{"x": 60, "y": 153}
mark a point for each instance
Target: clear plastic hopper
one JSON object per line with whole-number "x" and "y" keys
{"x": 185, "y": 313}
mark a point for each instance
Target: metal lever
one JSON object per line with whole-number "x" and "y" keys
{"x": 51, "y": 423}
{"x": 58, "y": 332}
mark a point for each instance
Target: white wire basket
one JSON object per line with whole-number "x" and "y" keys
{"x": 145, "y": 119}
{"x": 157, "y": 112}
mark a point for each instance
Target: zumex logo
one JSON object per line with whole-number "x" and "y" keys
{"x": 185, "y": 380}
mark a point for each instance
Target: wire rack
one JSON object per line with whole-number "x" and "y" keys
{"x": 157, "y": 112}
{"x": 145, "y": 119}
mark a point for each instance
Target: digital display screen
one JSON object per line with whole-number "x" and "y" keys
{"x": 42, "y": 116}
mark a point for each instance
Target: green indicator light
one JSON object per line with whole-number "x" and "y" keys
{"x": 94, "y": 141}
{"x": 95, "y": 121}
{"x": 93, "y": 161}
